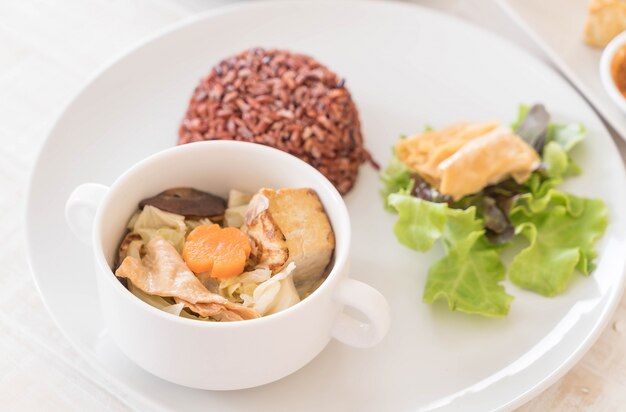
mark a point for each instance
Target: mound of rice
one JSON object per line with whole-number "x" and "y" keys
{"x": 284, "y": 100}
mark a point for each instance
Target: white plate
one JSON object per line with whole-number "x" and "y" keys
{"x": 557, "y": 27}
{"x": 406, "y": 67}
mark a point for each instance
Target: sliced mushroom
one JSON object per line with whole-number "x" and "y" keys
{"x": 191, "y": 203}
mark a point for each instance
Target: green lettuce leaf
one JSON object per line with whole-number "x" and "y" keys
{"x": 557, "y": 164}
{"x": 555, "y": 160}
{"x": 561, "y": 140}
{"x": 396, "y": 178}
{"x": 469, "y": 280}
{"x": 420, "y": 223}
{"x": 522, "y": 112}
{"x": 562, "y": 230}
{"x": 566, "y": 135}
{"x": 468, "y": 275}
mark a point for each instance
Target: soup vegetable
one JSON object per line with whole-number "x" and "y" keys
{"x": 196, "y": 255}
{"x": 480, "y": 187}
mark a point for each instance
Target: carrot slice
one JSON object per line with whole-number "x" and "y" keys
{"x": 222, "y": 252}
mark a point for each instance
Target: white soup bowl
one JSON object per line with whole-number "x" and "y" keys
{"x": 222, "y": 355}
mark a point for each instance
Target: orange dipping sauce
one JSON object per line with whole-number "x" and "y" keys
{"x": 618, "y": 69}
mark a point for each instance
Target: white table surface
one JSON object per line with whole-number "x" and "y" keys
{"x": 48, "y": 49}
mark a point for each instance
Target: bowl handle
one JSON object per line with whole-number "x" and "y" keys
{"x": 369, "y": 302}
{"x": 81, "y": 207}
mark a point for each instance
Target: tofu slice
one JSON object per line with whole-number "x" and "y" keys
{"x": 422, "y": 153}
{"x": 300, "y": 217}
{"x": 465, "y": 158}
{"x": 487, "y": 160}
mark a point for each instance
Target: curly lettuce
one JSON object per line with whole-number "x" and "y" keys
{"x": 396, "y": 178}
{"x": 469, "y": 275}
{"x": 560, "y": 229}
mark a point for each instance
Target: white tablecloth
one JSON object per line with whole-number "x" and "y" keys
{"x": 48, "y": 49}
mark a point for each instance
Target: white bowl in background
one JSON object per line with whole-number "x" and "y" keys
{"x": 605, "y": 70}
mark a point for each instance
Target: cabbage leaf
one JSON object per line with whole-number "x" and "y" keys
{"x": 153, "y": 222}
{"x": 277, "y": 293}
